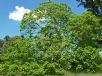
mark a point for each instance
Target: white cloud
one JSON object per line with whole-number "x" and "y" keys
{"x": 18, "y": 13}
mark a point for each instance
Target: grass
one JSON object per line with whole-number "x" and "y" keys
{"x": 73, "y": 74}
{"x": 82, "y": 74}
{"x": 79, "y": 74}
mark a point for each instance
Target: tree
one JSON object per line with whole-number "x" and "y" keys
{"x": 95, "y": 6}
{"x": 92, "y": 5}
{"x": 61, "y": 34}
{"x": 6, "y": 38}
{"x": 17, "y": 58}
{"x": 50, "y": 22}
{"x": 47, "y": 14}
{"x": 16, "y": 48}
{"x": 1, "y": 45}
{"x": 86, "y": 29}
{"x": 85, "y": 59}
{"x": 52, "y": 38}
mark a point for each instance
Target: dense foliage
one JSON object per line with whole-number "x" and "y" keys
{"x": 94, "y": 6}
{"x": 55, "y": 40}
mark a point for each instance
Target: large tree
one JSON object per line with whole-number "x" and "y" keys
{"x": 53, "y": 36}
{"x": 50, "y": 22}
{"x": 58, "y": 32}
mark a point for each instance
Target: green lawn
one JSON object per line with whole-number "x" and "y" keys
{"x": 79, "y": 74}
{"x": 73, "y": 74}
{"x": 82, "y": 74}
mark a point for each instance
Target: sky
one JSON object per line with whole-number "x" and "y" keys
{"x": 12, "y": 11}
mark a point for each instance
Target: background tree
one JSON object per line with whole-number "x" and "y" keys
{"x": 92, "y": 5}
{"x": 95, "y": 6}
{"x": 6, "y": 38}
{"x": 17, "y": 58}
{"x": 1, "y": 45}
